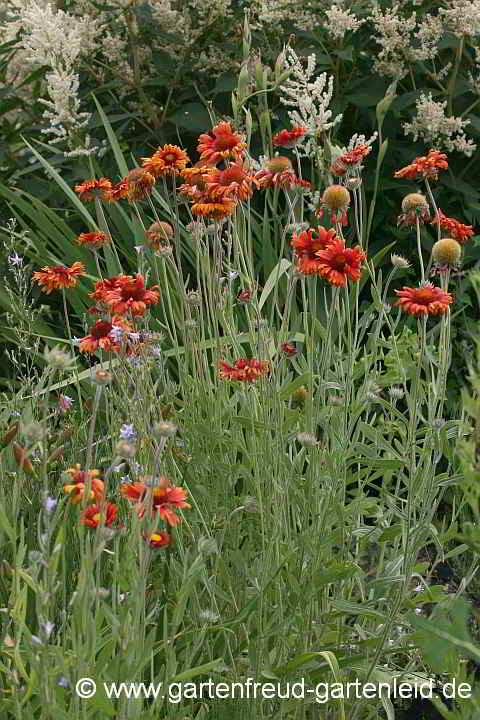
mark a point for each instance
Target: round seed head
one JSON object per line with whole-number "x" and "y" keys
{"x": 279, "y": 164}
{"x": 447, "y": 252}
{"x": 336, "y": 197}
{"x": 414, "y": 202}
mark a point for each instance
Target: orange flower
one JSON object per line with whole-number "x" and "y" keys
{"x": 350, "y": 160}
{"x": 167, "y": 160}
{"x": 91, "y": 189}
{"x": 244, "y": 370}
{"x": 235, "y": 183}
{"x": 92, "y": 239}
{"x": 338, "y": 263}
{"x": 290, "y": 138}
{"x": 159, "y": 538}
{"x": 129, "y": 295}
{"x": 93, "y": 515}
{"x": 100, "y": 337}
{"x": 306, "y": 247}
{"x": 279, "y": 171}
{"x": 425, "y": 300}
{"x": 118, "y": 191}
{"x": 139, "y": 184}
{"x": 163, "y": 497}
{"x": 456, "y": 230}
{"x": 214, "y": 210}
{"x": 195, "y": 180}
{"x": 57, "y": 276}
{"x": 219, "y": 143}
{"x": 78, "y": 482}
{"x": 426, "y": 166}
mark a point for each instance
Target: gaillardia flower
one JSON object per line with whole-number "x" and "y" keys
{"x": 57, "y": 276}
{"x": 139, "y": 184}
{"x": 426, "y": 167}
{"x": 162, "y": 498}
{"x": 159, "y": 538}
{"x": 214, "y": 209}
{"x": 93, "y": 239}
{"x": 220, "y": 143}
{"x": 446, "y": 253}
{"x": 351, "y": 161}
{"x": 79, "y": 479}
{"x": 456, "y": 230}
{"x": 93, "y": 515}
{"x": 337, "y": 263}
{"x": 335, "y": 199}
{"x": 158, "y": 235}
{"x": 278, "y": 171}
{"x": 91, "y": 189}
{"x": 167, "y": 160}
{"x": 130, "y": 295}
{"x": 100, "y": 336}
{"x": 306, "y": 246}
{"x": 425, "y": 300}
{"x": 233, "y": 183}
{"x": 414, "y": 206}
{"x": 290, "y": 138}
{"x": 195, "y": 185}
{"x": 244, "y": 370}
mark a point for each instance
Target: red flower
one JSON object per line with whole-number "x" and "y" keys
{"x": 338, "y": 263}
{"x": 289, "y": 349}
{"x": 129, "y": 295}
{"x": 157, "y": 539}
{"x": 195, "y": 180}
{"x": 425, "y": 166}
{"x": 99, "y": 336}
{"x": 456, "y": 230}
{"x": 167, "y": 160}
{"x": 306, "y": 247}
{"x": 425, "y": 300}
{"x": 93, "y": 514}
{"x": 92, "y": 239}
{"x": 290, "y": 138}
{"x": 118, "y": 191}
{"x": 244, "y": 370}
{"x": 162, "y": 498}
{"x": 244, "y": 296}
{"x": 219, "y": 143}
{"x": 79, "y": 480}
{"x": 234, "y": 183}
{"x": 91, "y": 189}
{"x": 55, "y": 277}
{"x": 350, "y": 160}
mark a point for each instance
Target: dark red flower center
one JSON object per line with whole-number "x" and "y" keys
{"x": 100, "y": 330}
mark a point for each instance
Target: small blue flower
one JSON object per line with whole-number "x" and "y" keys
{"x": 50, "y": 504}
{"x": 15, "y": 260}
{"x": 128, "y": 432}
{"x": 117, "y": 333}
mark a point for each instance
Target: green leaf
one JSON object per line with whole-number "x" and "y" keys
{"x": 199, "y": 670}
{"x": 274, "y": 276}
{"x": 192, "y": 116}
{"x": 121, "y": 162}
